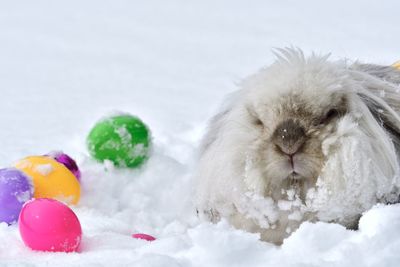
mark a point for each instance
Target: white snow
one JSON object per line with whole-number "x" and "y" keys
{"x": 64, "y": 65}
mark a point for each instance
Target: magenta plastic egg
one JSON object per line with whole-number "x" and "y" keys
{"x": 49, "y": 225}
{"x": 67, "y": 161}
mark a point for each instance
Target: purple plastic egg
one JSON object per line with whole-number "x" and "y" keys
{"x": 67, "y": 161}
{"x": 15, "y": 189}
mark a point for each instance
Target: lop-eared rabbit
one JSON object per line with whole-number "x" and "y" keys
{"x": 305, "y": 139}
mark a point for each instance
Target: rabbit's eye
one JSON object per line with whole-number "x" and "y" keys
{"x": 258, "y": 122}
{"x": 332, "y": 113}
{"x": 254, "y": 117}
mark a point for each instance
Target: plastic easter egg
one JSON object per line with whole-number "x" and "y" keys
{"x": 67, "y": 161}
{"x": 49, "y": 225}
{"x": 51, "y": 179}
{"x": 123, "y": 140}
{"x": 15, "y": 190}
{"x": 144, "y": 237}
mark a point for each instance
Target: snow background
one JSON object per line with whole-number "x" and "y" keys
{"x": 63, "y": 65}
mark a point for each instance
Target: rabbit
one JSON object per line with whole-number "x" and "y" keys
{"x": 305, "y": 139}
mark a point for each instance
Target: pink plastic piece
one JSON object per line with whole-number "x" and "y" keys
{"x": 144, "y": 237}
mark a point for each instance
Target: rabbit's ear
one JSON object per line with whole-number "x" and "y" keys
{"x": 384, "y": 114}
{"x": 217, "y": 122}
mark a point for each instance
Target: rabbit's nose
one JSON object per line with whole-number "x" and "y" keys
{"x": 289, "y": 136}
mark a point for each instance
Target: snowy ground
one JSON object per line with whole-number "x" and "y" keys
{"x": 64, "y": 65}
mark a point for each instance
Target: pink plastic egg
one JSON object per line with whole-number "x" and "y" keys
{"x": 144, "y": 237}
{"x": 49, "y": 225}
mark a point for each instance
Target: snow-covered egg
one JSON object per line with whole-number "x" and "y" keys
{"x": 123, "y": 139}
{"x": 15, "y": 190}
{"x": 51, "y": 179}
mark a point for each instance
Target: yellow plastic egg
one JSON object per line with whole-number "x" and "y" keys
{"x": 51, "y": 179}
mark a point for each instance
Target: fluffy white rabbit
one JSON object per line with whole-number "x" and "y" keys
{"x": 303, "y": 139}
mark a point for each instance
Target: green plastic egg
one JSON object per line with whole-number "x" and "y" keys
{"x": 122, "y": 139}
